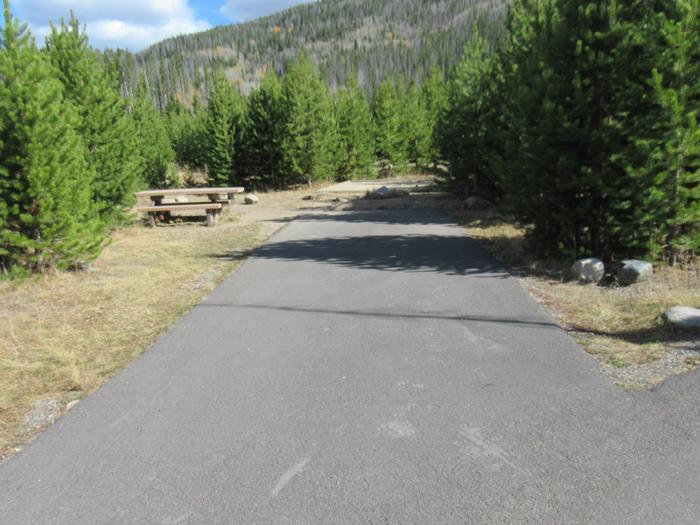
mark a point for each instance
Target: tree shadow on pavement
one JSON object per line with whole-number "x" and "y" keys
{"x": 454, "y": 255}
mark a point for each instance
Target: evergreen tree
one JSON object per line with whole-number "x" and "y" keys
{"x": 416, "y": 127}
{"x": 152, "y": 135}
{"x": 262, "y": 156}
{"x": 311, "y": 131}
{"x": 434, "y": 96}
{"x": 47, "y": 217}
{"x": 390, "y": 141}
{"x": 356, "y": 147}
{"x": 670, "y": 141}
{"x": 106, "y": 127}
{"x": 187, "y": 134}
{"x": 469, "y": 121}
{"x": 223, "y": 127}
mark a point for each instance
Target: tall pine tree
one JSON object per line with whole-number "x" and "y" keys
{"x": 105, "y": 125}
{"x": 223, "y": 128}
{"x": 261, "y": 156}
{"x": 390, "y": 140}
{"x": 154, "y": 143}
{"x": 47, "y": 217}
{"x": 356, "y": 147}
{"x": 311, "y": 135}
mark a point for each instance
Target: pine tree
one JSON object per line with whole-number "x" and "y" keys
{"x": 434, "y": 94}
{"x": 356, "y": 147}
{"x": 262, "y": 157}
{"x": 106, "y": 127}
{"x": 416, "y": 127}
{"x": 390, "y": 141}
{"x": 223, "y": 128}
{"x": 156, "y": 151}
{"x": 47, "y": 217}
{"x": 470, "y": 119}
{"x": 310, "y": 135}
{"x": 187, "y": 134}
{"x": 670, "y": 138}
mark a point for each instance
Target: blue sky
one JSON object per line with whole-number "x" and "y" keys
{"x": 135, "y": 24}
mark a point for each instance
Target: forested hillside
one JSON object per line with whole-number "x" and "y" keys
{"x": 372, "y": 38}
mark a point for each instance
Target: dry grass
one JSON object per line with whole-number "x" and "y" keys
{"x": 622, "y": 327}
{"x": 64, "y": 334}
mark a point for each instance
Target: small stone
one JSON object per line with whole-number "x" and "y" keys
{"x": 475, "y": 203}
{"x": 683, "y": 318}
{"x": 251, "y": 199}
{"x": 588, "y": 270}
{"x": 43, "y": 413}
{"x": 307, "y": 198}
{"x": 382, "y": 192}
{"x": 632, "y": 271}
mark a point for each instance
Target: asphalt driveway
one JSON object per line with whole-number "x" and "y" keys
{"x": 365, "y": 367}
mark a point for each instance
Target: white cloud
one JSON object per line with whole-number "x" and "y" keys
{"x": 132, "y": 24}
{"x": 241, "y": 10}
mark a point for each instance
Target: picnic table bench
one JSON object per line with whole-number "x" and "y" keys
{"x": 218, "y": 198}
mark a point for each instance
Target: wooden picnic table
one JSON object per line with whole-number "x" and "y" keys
{"x": 214, "y": 194}
{"x": 212, "y": 208}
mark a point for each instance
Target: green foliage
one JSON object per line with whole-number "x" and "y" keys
{"x": 356, "y": 147}
{"x": 152, "y": 135}
{"x": 261, "y": 159}
{"x": 434, "y": 94}
{"x": 311, "y": 136}
{"x": 584, "y": 126}
{"x": 47, "y": 217}
{"x": 670, "y": 138}
{"x": 415, "y": 126}
{"x": 389, "y": 137}
{"x": 104, "y": 124}
{"x": 223, "y": 126}
{"x": 187, "y": 134}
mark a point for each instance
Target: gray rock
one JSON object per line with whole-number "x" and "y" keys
{"x": 683, "y": 318}
{"x": 251, "y": 199}
{"x": 631, "y": 271}
{"x": 308, "y": 198}
{"x": 588, "y": 270}
{"x": 382, "y": 192}
{"x": 43, "y": 413}
{"x": 475, "y": 203}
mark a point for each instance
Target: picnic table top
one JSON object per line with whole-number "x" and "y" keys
{"x": 188, "y": 191}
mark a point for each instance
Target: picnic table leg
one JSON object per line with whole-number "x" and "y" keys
{"x": 210, "y": 218}
{"x": 157, "y": 201}
{"x": 151, "y": 220}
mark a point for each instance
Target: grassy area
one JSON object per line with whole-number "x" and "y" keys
{"x": 64, "y": 334}
{"x": 622, "y": 327}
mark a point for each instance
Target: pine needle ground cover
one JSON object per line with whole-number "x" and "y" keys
{"x": 623, "y": 328}
{"x": 64, "y": 334}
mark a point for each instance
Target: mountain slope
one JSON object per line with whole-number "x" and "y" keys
{"x": 374, "y": 38}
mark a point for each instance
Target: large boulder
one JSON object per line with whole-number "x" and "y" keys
{"x": 588, "y": 270}
{"x": 631, "y": 271}
{"x": 683, "y": 318}
{"x": 251, "y": 199}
